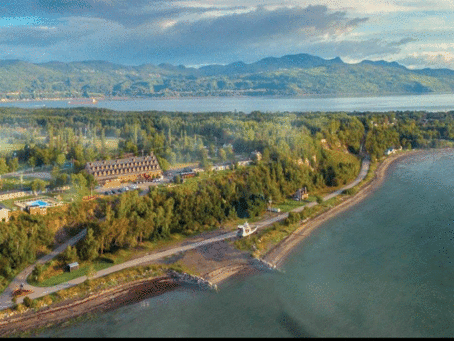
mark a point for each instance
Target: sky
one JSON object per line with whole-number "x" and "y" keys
{"x": 414, "y": 33}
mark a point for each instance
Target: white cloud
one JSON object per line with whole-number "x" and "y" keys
{"x": 433, "y": 59}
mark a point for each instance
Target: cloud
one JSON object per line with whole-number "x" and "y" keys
{"x": 69, "y": 30}
{"x": 130, "y": 13}
{"x": 232, "y": 34}
{"x": 189, "y": 37}
{"x": 432, "y": 59}
{"x": 353, "y": 50}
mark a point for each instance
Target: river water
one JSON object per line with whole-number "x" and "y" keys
{"x": 430, "y": 102}
{"x": 382, "y": 268}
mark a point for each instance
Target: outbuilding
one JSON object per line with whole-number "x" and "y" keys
{"x": 72, "y": 266}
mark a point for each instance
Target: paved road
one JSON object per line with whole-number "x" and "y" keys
{"x": 41, "y": 175}
{"x": 5, "y": 298}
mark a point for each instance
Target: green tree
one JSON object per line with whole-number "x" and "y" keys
{"x": 28, "y": 302}
{"x": 3, "y": 166}
{"x": 89, "y": 248}
{"x": 37, "y": 272}
{"x": 266, "y": 155}
{"x": 70, "y": 254}
{"x": 163, "y": 163}
{"x": 38, "y": 185}
{"x": 222, "y": 155}
{"x": 32, "y": 162}
{"x": 79, "y": 182}
{"x": 60, "y": 160}
{"x": 14, "y": 164}
{"x": 212, "y": 149}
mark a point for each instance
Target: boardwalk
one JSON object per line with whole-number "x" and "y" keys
{"x": 5, "y": 298}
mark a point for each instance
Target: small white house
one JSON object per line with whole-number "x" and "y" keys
{"x": 390, "y": 151}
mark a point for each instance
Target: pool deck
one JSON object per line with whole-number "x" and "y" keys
{"x": 49, "y": 202}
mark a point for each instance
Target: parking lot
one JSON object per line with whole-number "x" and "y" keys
{"x": 139, "y": 185}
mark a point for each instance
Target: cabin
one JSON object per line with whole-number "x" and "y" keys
{"x": 72, "y": 266}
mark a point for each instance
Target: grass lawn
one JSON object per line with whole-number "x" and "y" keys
{"x": 10, "y": 202}
{"x": 111, "y": 142}
{"x": 67, "y": 276}
{"x": 183, "y": 165}
{"x": 6, "y": 147}
{"x": 289, "y": 205}
{"x": 107, "y": 260}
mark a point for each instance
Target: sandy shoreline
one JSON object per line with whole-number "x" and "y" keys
{"x": 218, "y": 262}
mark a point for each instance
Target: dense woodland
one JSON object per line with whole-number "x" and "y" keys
{"x": 316, "y": 150}
{"x": 291, "y": 75}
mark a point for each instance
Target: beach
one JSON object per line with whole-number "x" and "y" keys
{"x": 215, "y": 262}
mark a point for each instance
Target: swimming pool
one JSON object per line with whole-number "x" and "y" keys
{"x": 39, "y": 203}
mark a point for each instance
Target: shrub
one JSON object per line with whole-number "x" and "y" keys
{"x": 47, "y": 300}
{"x": 20, "y": 308}
{"x": 37, "y": 272}
{"x": 293, "y": 217}
{"x": 69, "y": 255}
{"x": 349, "y": 191}
{"x": 319, "y": 199}
{"x": 28, "y": 302}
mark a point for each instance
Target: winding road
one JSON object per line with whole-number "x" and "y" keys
{"x": 5, "y": 297}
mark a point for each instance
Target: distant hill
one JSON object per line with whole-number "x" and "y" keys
{"x": 291, "y": 75}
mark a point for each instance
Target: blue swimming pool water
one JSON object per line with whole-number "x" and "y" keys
{"x": 39, "y": 203}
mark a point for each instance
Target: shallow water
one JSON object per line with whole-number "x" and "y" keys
{"x": 382, "y": 268}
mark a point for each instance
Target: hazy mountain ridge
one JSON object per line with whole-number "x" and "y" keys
{"x": 290, "y": 75}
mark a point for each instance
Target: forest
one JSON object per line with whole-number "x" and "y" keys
{"x": 290, "y": 75}
{"x": 316, "y": 150}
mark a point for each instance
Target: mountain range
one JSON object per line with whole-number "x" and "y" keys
{"x": 290, "y": 75}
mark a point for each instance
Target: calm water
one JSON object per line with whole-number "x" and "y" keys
{"x": 384, "y": 268}
{"x": 247, "y": 104}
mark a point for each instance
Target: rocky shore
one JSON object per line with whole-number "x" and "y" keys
{"x": 106, "y": 300}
